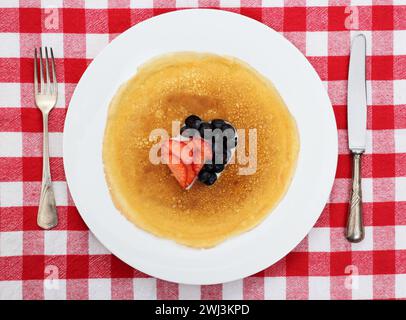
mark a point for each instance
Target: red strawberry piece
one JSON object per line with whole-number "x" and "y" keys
{"x": 202, "y": 153}
{"x": 180, "y": 173}
{"x": 171, "y": 151}
{"x": 191, "y": 174}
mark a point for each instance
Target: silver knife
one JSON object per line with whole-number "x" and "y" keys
{"x": 357, "y": 129}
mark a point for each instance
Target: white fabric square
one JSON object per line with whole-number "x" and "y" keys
{"x": 400, "y": 237}
{"x": 95, "y": 247}
{"x": 399, "y": 42}
{"x": 366, "y": 244}
{"x": 95, "y": 43}
{"x": 11, "y": 290}
{"x": 272, "y": 3}
{"x": 400, "y": 140}
{"x": 11, "y": 243}
{"x": 362, "y": 287}
{"x": 96, "y": 4}
{"x": 367, "y": 190}
{"x": 319, "y": 288}
{"x": 11, "y": 144}
{"x": 54, "y": 41}
{"x": 275, "y": 288}
{"x": 188, "y": 292}
{"x": 400, "y": 290}
{"x": 399, "y": 91}
{"x": 55, "y": 289}
{"x": 10, "y": 44}
{"x": 52, "y": 3}
{"x": 10, "y": 4}
{"x": 230, "y": 3}
{"x": 187, "y": 3}
{"x": 145, "y": 289}
{"x": 400, "y": 189}
{"x": 11, "y": 194}
{"x": 142, "y": 4}
{"x": 55, "y": 242}
{"x": 61, "y": 193}
{"x": 99, "y": 289}
{"x": 361, "y": 2}
{"x": 316, "y": 43}
{"x": 233, "y": 290}
{"x": 10, "y": 94}
{"x": 319, "y": 240}
{"x": 55, "y": 144}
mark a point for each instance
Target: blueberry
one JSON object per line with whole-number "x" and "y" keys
{"x": 209, "y": 167}
{"x": 204, "y": 175}
{"x": 193, "y": 121}
{"x": 203, "y": 127}
{"x": 229, "y": 143}
{"x": 227, "y": 126}
{"x": 218, "y": 158}
{"x": 211, "y": 179}
{"x": 218, "y": 167}
{"x": 188, "y": 132}
{"x": 217, "y": 147}
{"x": 217, "y": 123}
{"x": 226, "y": 156}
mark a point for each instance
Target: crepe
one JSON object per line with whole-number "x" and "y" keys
{"x": 169, "y": 88}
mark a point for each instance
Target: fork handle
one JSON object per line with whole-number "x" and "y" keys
{"x": 47, "y": 216}
{"x": 355, "y": 227}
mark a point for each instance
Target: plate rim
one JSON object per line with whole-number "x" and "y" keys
{"x": 180, "y": 279}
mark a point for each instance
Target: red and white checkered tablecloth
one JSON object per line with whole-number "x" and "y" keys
{"x": 69, "y": 263}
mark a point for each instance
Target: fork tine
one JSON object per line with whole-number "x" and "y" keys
{"x": 41, "y": 71}
{"x": 48, "y": 87}
{"x": 55, "y": 83}
{"x": 35, "y": 72}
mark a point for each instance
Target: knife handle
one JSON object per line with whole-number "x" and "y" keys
{"x": 355, "y": 227}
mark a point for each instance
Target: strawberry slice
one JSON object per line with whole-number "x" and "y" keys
{"x": 185, "y": 159}
{"x": 180, "y": 173}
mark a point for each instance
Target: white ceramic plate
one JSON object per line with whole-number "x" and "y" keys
{"x": 222, "y": 33}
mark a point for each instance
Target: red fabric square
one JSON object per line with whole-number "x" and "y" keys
{"x": 338, "y": 214}
{"x": 383, "y": 165}
{"x": 383, "y": 117}
{"x": 32, "y": 168}
{"x": 400, "y": 257}
{"x": 294, "y": 19}
{"x": 344, "y": 166}
{"x": 399, "y": 71}
{"x": 30, "y": 218}
{"x": 273, "y": 17}
{"x": 10, "y": 120}
{"x": 337, "y": 18}
{"x": 338, "y": 67}
{"x": 75, "y": 222}
{"x": 33, "y": 267}
{"x": 9, "y": 21}
{"x": 120, "y": 269}
{"x": 58, "y": 261}
{"x": 381, "y": 67}
{"x": 119, "y": 20}
{"x": 254, "y": 13}
{"x": 30, "y": 20}
{"x": 340, "y": 113}
{"x": 383, "y": 213}
{"x": 74, "y": 69}
{"x": 27, "y": 70}
{"x": 158, "y": 11}
{"x": 363, "y": 261}
{"x": 11, "y": 268}
{"x": 11, "y": 169}
{"x": 382, "y": 18}
{"x": 74, "y": 20}
{"x": 297, "y": 264}
{"x": 31, "y": 120}
{"x": 338, "y": 263}
{"x": 384, "y": 262}
{"x": 77, "y": 266}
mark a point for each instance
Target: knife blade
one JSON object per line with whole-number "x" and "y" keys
{"x": 357, "y": 98}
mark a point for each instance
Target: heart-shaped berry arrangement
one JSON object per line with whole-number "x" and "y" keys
{"x": 202, "y": 150}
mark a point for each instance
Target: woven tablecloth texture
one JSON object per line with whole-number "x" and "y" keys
{"x": 69, "y": 263}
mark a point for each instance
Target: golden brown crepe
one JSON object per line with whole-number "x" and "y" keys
{"x": 172, "y": 87}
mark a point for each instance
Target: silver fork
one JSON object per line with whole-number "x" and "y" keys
{"x": 46, "y": 93}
